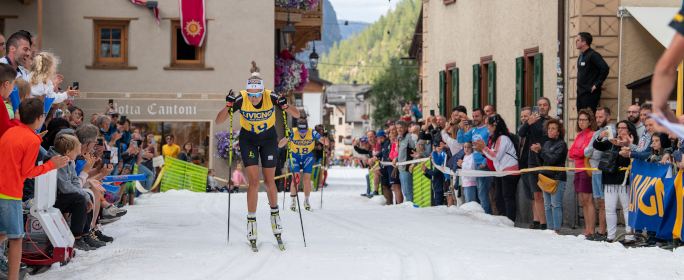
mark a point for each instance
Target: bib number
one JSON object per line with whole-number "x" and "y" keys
{"x": 259, "y": 128}
{"x": 303, "y": 151}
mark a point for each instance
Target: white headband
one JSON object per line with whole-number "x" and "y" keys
{"x": 255, "y": 84}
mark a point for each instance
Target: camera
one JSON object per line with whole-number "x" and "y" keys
{"x": 436, "y": 135}
{"x": 325, "y": 133}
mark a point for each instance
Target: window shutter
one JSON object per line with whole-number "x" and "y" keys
{"x": 519, "y": 86}
{"x": 476, "y": 86}
{"x": 491, "y": 84}
{"x": 442, "y": 91}
{"x": 454, "y": 87}
{"x": 538, "y": 76}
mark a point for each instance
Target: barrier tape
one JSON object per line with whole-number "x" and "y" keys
{"x": 389, "y": 163}
{"x": 274, "y": 178}
{"x": 480, "y": 173}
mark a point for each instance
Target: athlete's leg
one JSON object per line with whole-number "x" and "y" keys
{"x": 307, "y": 184}
{"x": 271, "y": 189}
{"x": 253, "y": 190}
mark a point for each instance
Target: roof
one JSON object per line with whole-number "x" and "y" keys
{"x": 656, "y": 20}
{"x": 340, "y": 94}
{"x": 313, "y": 76}
{"x": 417, "y": 42}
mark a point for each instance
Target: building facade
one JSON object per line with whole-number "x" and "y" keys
{"x": 116, "y": 50}
{"x": 346, "y": 117}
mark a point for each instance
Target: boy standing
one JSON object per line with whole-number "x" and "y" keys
{"x": 17, "y": 163}
{"x": 7, "y": 75}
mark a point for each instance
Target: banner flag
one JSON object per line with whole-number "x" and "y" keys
{"x": 124, "y": 178}
{"x": 671, "y": 224}
{"x": 155, "y": 10}
{"x": 193, "y": 21}
{"x": 647, "y": 193}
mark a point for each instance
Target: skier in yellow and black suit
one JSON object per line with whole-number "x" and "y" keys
{"x": 258, "y": 140}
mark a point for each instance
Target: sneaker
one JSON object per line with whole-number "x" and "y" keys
{"x": 119, "y": 205}
{"x": 108, "y": 220}
{"x": 373, "y": 194}
{"x": 366, "y": 194}
{"x": 307, "y": 205}
{"x": 542, "y": 227}
{"x": 102, "y": 237}
{"x": 251, "y": 227}
{"x": 586, "y": 233}
{"x": 627, "y": 242}
{"x": 81, "y": 245}
{"x": 111, "y": 198}
{"x": 534, "y": 225}
{"x": 275, "y": 222}
{"x": 113, "y": 211}
{"x": 93, "y": 243}
{"x": 599, "y": 237}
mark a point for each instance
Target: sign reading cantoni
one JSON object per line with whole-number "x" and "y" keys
{"x": 153, "y": 109}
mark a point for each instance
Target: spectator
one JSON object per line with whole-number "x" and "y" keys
{"x": 489, "y": 110}
{"x": 592, "y": 71}
{"x": 406, "y": 147}
{"x": 139, "y": 155}
{"x": 394, "y": 181}
{"x": 238, "y": 178}
{"x": 535, "y": 133}
{"x": 633, "y": 115}
{"x": 523, "y": 155}
{"x": 212, "y": 185}
{"x": 76, "y": 118}
{"x": 612, "y": 181}
{"x": 478, "y": 132}
{"x": 586, "y": 125}
{"x": 41, "y": 74}
{"x": 553, "y": 153}
{"x": 452, "y": 124}
{"x": 125, "y": 128}
{"x": 469, "y": 183}
{"x": 53, "y": 127}
{"x": 364, "y": 148}
{"x": 605, "y": 131}
{"x": 383, "y": 155}
{"x": 186, "y": 153}
{"x": 17, "y": 163}
{"x": 437, "y": 178}
{"x": 150, "y": 147}
{"x": 170, "y": 149}
{"x": 71, "y": 197}
{"x": 7, "y": 77}
{"x": 2, "y": 45}
{"x": 104, "y": 122}
{"x": 18, "y": 52}
{"x": 504, "y": 157}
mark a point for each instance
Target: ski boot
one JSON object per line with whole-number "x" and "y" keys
{"x": 251, "y": 231}
{"x": 277, "y": 227}
{"x": 307, "y": 205}
{"x": 293, "y": 205}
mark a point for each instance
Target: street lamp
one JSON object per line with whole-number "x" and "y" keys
{"x": 288, "y": 32}
{"x": 313, "y": 58}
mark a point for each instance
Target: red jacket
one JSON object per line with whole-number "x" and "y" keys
{"x": 576, "y": 151}
{"x": 5, "y": 122}
{"x": 18, "y": 160}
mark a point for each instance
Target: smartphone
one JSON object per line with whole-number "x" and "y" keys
{"x": 123, "y": 119}
{"x": 134, "y": 143}
{"x": 100, "y": 142}
{"x": 139, "y": 142}
{"x": 153, "y": 142}
{"x": 432, "y": 112}
{"x": 535, "y": 109}
{"x": 106, "y": 157}
{"x": 75, "y": 86}
{"x": 111, "y": 101}
{"x": 470, "y": 122}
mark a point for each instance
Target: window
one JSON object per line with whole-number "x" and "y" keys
{"x": 339, "y": 138}
{"x": 449, "y": 1}
{"x": 111, "y": 44}
{"x": 184, "y": 56}
{"x": 298, "y": 99}
{"x": 528, "y": 78}
{"x": 339, "y": 121}
{"x": 451, "y": 89}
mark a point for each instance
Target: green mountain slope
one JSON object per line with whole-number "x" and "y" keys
{"x": 366, "y": 54}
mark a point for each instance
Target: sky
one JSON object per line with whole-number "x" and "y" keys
{"x": 362, "y": 10}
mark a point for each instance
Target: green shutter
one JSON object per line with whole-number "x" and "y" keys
{"x": 454, "y": 87}
{"x": 491, "y": 84}
{"x": 519, "y": 87}
{"x": 538, "y": 76}
{"x": 442, "y": 91}
{"x": 476, "y": 86}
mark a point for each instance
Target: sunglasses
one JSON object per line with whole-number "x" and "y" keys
{"x": 255, "y": 94}
{"x": 169, "y": 138}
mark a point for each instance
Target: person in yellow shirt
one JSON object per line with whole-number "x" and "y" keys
{"x": 170, "y": 149}
{"x": 258, "y": 141}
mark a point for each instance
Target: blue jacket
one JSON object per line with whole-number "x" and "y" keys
{"x": 385, "y": 149}
{"x": 477, "y": 133}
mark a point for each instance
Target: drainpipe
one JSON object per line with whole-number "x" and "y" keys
{"x": 622, "y": 13}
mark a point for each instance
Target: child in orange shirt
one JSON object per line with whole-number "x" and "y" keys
{"x": 17, "y": 163}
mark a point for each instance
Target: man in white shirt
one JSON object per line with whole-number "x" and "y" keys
{"x": 18, "y": 52}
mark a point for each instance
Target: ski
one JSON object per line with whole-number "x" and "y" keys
{"x": 253, "y": 244}
{"x": 280, "y": 242}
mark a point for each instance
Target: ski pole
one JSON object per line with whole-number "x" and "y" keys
{"x": 289, "y": 154}
{"x": 321, "y": 175}
{"x": 230, "y": 163}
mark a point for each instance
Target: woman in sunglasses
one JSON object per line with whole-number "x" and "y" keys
{"x": 301, "y": 154}
{"x": 258, "y": 140}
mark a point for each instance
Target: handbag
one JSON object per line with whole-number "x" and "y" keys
{"x": 547, "y": 184}
{"x": 395, "y": 173}
{"x": 587, "y": 164}
{"x": 608, "y": 161}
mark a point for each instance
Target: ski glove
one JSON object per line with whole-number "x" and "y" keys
{"x": 282, "y": 102}
{"x": 230, "y": 99}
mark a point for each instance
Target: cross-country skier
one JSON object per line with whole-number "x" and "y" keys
{"x": 258, "y": 139}
{"x": 303, "y": 142}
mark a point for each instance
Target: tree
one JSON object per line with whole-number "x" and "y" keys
{"x": 392, "y": 87}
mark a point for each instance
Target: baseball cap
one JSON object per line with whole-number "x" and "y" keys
{"x": 364, "y": 140}
{"x": 389, "y": 122}
{"x": 381, "y": 133}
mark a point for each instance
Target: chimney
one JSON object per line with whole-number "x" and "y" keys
{"x": 354, "y": 82}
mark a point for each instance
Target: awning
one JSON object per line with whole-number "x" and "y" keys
{"x": 656, "y": 20}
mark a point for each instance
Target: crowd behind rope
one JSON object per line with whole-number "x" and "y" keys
{"x": 83, "y": 153}
{"x": 482, "y": 140}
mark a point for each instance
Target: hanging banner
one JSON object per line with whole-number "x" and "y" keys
{"x": 646, "y": 208}
{"x": 671, "y": 224}
{"x": 155, "y": 10}
{"x": 193, "y": 21}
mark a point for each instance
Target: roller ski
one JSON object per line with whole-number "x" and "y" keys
{"x": 251, "y": 232}
{"x": 293, "y": 205}
{"x": 307, "y": 205}
{"x": 277, "y": 228}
